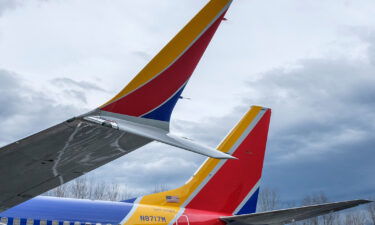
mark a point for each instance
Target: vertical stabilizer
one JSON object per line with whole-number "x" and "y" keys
{"x": 225, "y": 186}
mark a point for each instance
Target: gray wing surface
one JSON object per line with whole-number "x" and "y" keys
{"x": 286, "y": 216}
{"x": 45, "y": 160}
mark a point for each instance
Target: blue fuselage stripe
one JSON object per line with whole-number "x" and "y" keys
{"x": 71, "y": 210}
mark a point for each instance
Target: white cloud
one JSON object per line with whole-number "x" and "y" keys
{"x": 26, "y": 110}
{"x": 7, "y": 5}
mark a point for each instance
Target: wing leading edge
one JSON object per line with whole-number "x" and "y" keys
{"x": 286, "y": 216}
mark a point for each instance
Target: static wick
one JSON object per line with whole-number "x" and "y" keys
{"x": 181, "y": 97}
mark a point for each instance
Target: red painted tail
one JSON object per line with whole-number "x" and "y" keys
{"x": 226, "y": 186}
{"x": 233, "y": 185}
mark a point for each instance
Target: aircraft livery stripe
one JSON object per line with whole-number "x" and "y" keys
{"x": 231, "y": 142}
{"x": 251, "y": 151}
{"x": 208, "y": 169}
{"x": 175, "y": 47}
{"x": 131, "y": 212}
{"x": 163, "y": 112}
{"x": 250, "y": 205}
{"x": 61, "y": 209}
{"x": 171, "y": 80}
{"x": 244, "y": 207}
{"x": 172, "y": 211}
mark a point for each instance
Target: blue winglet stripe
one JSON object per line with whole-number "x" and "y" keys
{"x": 164, "y": 111}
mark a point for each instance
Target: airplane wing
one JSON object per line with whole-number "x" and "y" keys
{"x": 52, "y": 157}
{"x": 45, "y": 160}
{"x": 286, "y": 216}
{"x": 137, "y": 115}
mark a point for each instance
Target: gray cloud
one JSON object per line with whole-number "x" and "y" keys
{"x": 25, "y": 110}
{"x": 76, "y": 90}
{"x": 321, "y": 138}
{"x": 69, "y": 83}
{"x": 323, "y": 126}
{"x": 143, "y": 55}
{"x": 78, "y": 95}
{"x": 7, "y": 4}
{"x": 152, "y": 165}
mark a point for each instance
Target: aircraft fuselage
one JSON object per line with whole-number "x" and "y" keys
{"x": 63, "y": 211}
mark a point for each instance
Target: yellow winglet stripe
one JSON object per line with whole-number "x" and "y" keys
{"x": 175, "y": 47}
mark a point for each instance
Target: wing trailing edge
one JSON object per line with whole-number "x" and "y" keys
{"x": 286, "y": 216}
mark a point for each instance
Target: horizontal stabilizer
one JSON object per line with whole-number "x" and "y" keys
{"x": 286, "y": 216}
{"x": 158, "y": 134}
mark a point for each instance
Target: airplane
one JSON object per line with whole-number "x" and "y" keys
{"x": 224, "y": 190}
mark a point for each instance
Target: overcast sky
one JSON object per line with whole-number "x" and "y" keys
{"x": 311, "y": 61}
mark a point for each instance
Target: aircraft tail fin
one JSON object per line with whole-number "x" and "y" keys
{"x": 225, "y": 186}
{"x": 154, "y": 92}
{"x": 232, "y": 186}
